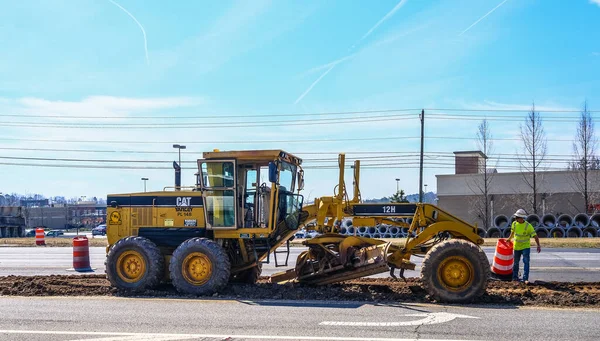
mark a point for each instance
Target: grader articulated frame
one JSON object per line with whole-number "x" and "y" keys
{"x": 247, "y": 204}
{"x": 454, "y": 269}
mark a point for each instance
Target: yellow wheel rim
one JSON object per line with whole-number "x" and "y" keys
{"x": 131, "y": 266}
{"x": 197, "y": 268}
{"x": 456, "y": 273}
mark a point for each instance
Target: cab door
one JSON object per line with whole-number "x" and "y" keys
{"x": 218, "y": 183}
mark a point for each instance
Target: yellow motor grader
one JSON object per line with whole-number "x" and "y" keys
{"x": 245, "y": 208}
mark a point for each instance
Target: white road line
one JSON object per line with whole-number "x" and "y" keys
{"x": 428, "y": 318}
{"x": 150, "y": 336}
{"x": 139, "y": 338}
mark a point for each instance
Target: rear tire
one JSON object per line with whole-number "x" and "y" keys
{"x": 134, "y": 264}
{"x": 455, "y": 271}
{"x": 199, "y": 266}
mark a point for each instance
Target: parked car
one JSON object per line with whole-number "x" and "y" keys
{"x": 54, "y": 233}
{"x": 299, "y": 234}
{"x": 311, "y": 234}
{"x": 99, "y": 230}
{"x": 30, "y": 233}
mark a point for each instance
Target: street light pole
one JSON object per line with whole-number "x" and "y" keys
{"x": 178, "y": 169}
{"x": 144, "y": 180}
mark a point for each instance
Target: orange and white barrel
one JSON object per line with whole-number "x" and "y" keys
{"x": 503, "y": 258}
{"x": 81, "y": 254}
{"x": 40, "y": 236}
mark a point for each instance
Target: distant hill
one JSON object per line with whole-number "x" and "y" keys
{"x": 428, "y": 197}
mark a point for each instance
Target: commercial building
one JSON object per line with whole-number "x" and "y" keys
{"x": 558, "y": 191}
{"x": 81, "y": 214}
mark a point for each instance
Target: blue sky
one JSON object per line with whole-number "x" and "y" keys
{"x": 89, "y": 59}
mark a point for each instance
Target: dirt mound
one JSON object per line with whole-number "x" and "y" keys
{"x": 365, "y": 290}
{"x": 56, "y": 285}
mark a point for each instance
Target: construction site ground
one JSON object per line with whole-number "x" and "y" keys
{"x": 101, "y": 241}
{"x": 373, "y": 290}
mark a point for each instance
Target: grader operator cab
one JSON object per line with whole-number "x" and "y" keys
{"x": 247, "y": 204}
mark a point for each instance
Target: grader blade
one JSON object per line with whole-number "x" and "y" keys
{"x": 343, "y": 274}
{"x": 331, "y": 261}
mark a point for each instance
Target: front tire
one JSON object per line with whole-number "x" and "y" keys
{"x": 455, "y": 271}
{"x": 134, "y": 264}
{"x": 199, "y": 266}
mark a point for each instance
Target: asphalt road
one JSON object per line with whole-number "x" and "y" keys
{"x": 558, "y": 264}
{"x": 120, "y": 319}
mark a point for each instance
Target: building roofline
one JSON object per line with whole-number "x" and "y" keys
{"x": 471, "y": 152}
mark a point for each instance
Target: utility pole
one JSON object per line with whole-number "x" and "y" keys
{"x": 144, "y": 180}
{"x": 422, "y": 117}
{"x": 397, "y": 185}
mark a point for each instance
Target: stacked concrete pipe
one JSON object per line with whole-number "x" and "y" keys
{"x": 581, "y": 220}
{"x": 549, "y": 221}
{"x": 494, "y": 232}
{"x": 595, "y": 221}
{"x": 565, "y": 221}
{"x": 590, "y": 232}
{"x": 344, "y": 230}
{"x": 542, "y": 232}
{"x": 394, "y": 231}
{"x": 574, "y": 232}
{"x": 534, "y": 220}
{"x": 501, "y": 222}
{"x": 481, "y": 232}
{"x": 557, "y": 232}
{"x": 382, "y": 229}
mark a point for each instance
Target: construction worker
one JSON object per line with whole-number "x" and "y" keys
{"x": 522, "y": 231}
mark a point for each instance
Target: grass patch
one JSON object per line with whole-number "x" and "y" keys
{"x": 51, "y": 242}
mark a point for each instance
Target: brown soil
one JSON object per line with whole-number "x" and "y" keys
{"x": 365, "y": 290}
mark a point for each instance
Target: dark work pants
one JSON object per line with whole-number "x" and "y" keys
{"x": 526, "y": 256}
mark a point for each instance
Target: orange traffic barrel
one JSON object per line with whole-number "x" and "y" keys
{"x": 39, "y": 236}
{"x": 81, "y": 254}
{"x": 503, "y": 258}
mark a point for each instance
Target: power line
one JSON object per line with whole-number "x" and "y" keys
{"x": 379, "y": 138}
{"x": 382, "y": 153}
{"x": 366, "y": 112}
{"x": 208, "y": 125}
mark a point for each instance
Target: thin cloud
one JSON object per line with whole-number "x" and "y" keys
{"x": 330, "y": 66}
{"x": 141, "y": 27}
{"x": 491, "y": 105}
{"x": 597, "y": 2}
{"x": 488, "y": 13}
{"x": 314, "y": 83}
{"x": 382, "y": 20}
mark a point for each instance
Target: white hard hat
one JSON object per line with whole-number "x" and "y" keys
{"x": 521, "y": 213}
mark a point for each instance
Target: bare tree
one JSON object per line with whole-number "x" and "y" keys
{"x": 585, "y": 160}
{"x": 533, "y": 154}
{"x": 480, "y": 185}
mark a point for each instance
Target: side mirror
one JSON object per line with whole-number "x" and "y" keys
{"x": 272, "y": 172}
{"x": 301, "y": 180}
